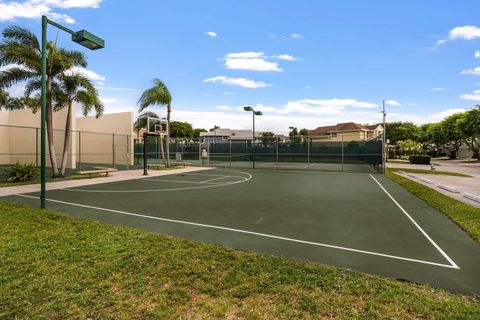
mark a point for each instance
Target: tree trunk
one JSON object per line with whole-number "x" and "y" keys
{"x": 169, "y": 110}
{"x": 49, "y": 123}
{"x": 66, "y": 142}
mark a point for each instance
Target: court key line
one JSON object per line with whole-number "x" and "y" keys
{"x": 452, "y": 263}
{"x": 247, "y": 232}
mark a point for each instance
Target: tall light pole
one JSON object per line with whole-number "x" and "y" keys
{"x": 294, "y": 129}
{"x": 384, "y": 156}
{"x": 254, "y": 113}
{"x": 83, "y": 38}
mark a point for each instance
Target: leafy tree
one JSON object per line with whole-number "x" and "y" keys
{"x": 75, "y": 88}
{"x": 158, "y": 95}
{"x": 21, "y": 52}
{"x": 181, "y": 129}
{"x": 294, "y": 135}
{"x": 425, "y": 137}
{"x": 401, "y": 131}
{"x": 469, "y": 126}
{"x": 449, "y": 135}
{"x": 304, "y": 134}
{"x": 215, "y": 127}
{"x": 267, "y": 137}
{"x": 196, "y": 132}
{"x": 409, "y": 147}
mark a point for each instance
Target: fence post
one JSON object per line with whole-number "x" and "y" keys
{"x": 113, "y": 150}
{"x": 128, "y": 152}
{"x": 276, "y": 151}
{"x": 79, "y": 150}
{"x": 342, "y": 154}
{"x": 308, "y": 152}
{"x": 36, "y": 147}
{"x": 230, "y": 152}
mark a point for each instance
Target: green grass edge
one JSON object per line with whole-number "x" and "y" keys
{"x": 57, "y": 266}
{"x": 464, "y": 215}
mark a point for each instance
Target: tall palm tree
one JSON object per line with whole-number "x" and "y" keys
{"x": 20, "y": 54}
{"x": 158, "y": 95}
{"x": 75, "y": 88}
{"x": 142, "y": 123}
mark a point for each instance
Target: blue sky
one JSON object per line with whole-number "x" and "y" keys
{"x": 303, "y": 63}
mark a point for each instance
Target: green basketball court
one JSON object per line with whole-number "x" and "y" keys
{"x": 359, "y": 221}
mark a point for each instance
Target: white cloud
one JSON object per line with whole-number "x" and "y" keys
{"x": 438, "y": 89}
{"x": 285, "y": 57}
{"x": 211, "y": 34}
{"x": 242, "y": 82}
{"x": 223, "y": 107}
{"x": 472, "y": 71}
{"x": 477, "y": 54}
{"x": 411, "y": 104}
{"x": 464, "y": 32}
{"x": 297, "y": 36}
{"x": 226, "y": 92}
{"x": 308, "y": 87}
{"x": 108, "y": 100}
{"x": 245, "y": 55}
{"x": 250, "y": 60}
{"x": 445, "y": 113}
{"x": 87, "y": 73}
{"x": 34, "y": 9}
{"x": 472, "y": 97}
{"x": 392, "y": 103}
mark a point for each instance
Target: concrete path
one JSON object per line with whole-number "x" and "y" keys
{"x": 113, "y": 177}
{"x": 463, "y": 189}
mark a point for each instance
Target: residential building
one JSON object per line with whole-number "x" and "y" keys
{"x": 348, "y": 131}
{"x": 225, "y": 135}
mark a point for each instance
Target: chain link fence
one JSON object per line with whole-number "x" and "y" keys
{"x": 86, "y": 150}
{"x": 309, "y": 154}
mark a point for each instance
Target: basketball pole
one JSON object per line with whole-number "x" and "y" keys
{"x": 384, "y": 156}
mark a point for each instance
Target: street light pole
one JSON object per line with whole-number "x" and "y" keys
{"x": 384, "y": 156}
{"x": 254, "y": 113}
{"x": 83, "y": 38}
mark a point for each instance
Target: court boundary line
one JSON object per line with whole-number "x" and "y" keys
{"x": 201, "y": 186}
{"x": 248, "y": 232}
{"x": 439, "y": 249}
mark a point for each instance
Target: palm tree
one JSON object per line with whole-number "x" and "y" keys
{"x": 75, "y": 88}
{"x": 20, "y": 53}
{"x": 10, "y": 103}
{"x": 158, "y": 95}
{"x": 142, "y": 123}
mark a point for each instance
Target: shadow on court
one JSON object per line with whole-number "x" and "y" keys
{"x": 363, "y": 222}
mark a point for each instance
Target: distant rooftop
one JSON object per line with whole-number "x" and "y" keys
{"x": 346, "y": 126}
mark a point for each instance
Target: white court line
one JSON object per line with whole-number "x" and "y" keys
{"x": 206, "y": 185}
{"x": 452, "y": 263}
{"x": 218, "y": 178}
{"x": 180, "y": 181}
{"x": 248, "y": 232}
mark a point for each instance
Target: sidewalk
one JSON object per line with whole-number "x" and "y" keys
{"x": 112, "y": 177}
{"x": 466, "y": 190}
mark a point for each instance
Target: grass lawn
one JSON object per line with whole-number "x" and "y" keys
{"x": 445, "y": 173}
{"x": 466, "y": 216}
{"x": 57, "y": 267}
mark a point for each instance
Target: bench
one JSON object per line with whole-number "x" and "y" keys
{"x": 98, "y": 170}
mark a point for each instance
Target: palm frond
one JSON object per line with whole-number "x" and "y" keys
{"x": 10, "y": 76}
{"x": 22, "y": 36}
{"x": 156, "y": 95}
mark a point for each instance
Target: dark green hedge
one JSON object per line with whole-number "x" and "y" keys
{"x": 419, "y": 159}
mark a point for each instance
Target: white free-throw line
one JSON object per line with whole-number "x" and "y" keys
{"x": 209, "y": 180}
{"x": 452, "y": 263}
{"x": 248, "y": 232}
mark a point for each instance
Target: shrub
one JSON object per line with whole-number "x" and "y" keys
{"x": 419, "y": 159}
{"x": 21, "y": 172}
